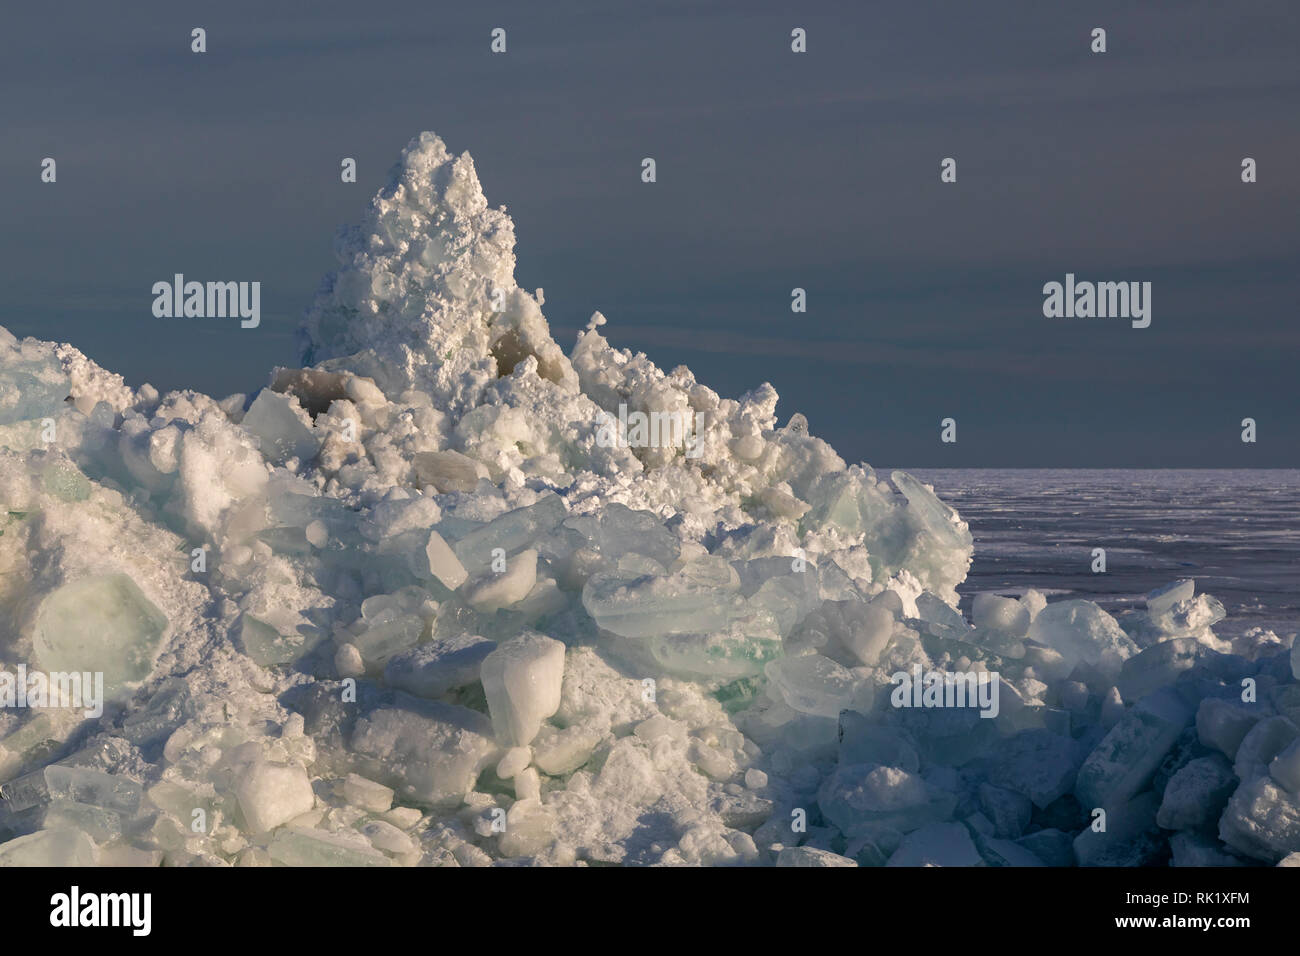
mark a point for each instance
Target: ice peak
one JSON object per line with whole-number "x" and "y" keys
{"x": 425, "y": 293}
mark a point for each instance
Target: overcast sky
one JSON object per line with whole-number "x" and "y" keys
{"x": 775, "y": 170}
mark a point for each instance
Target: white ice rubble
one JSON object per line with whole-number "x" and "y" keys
{"x": 401, "y": 607}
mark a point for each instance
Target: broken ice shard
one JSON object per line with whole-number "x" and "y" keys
{"x": 521, "y": 679}
{"x": 101, "y": 624}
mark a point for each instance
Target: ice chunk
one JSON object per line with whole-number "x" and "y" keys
{"x": 1037, "y": 763}
{"x": 348, "y": 661}
{"x": 1033, "y": 601}
{"x": 862, "y": 629}
{"x": 301, "y": 846}
{"x": 1000, "y": 614}
{"x": 282, "y": 428}
{"x": 102, "y": 624}
{"x": 861, "y": 741}
{"x": 522, "y": 680}
{"x": 934, "y": 610}
{"x": 272, "y": 794}
{"x": 808, "y": 856}
{"x": 816, "y": 685}
{"x": 1127, "y": 757}
{"x": 366, "y": 794}
{"x": 943, "y": 543}
{"x": 443, "y": 563}
{"x": 510, "y": 533}
{"x": 49, "y": 848}
{"x": 515, "y": 762}
{"x": 560, "y": 752}
{"x": 495, "y": 591}
{"x": 530, "y": 828}
{"x": 1007, "y": 810}
{"x": 1285, "y": 768}
{"x": 1195, "y": 616}
{"x": 1196, "y": 795}
{"x": 723, "y": 655}
{"x": 858, "y": 797}
{"x": 1054, "y": 847}
{"x": 102, "y": 826}
{"x": 1194, "y": 849}
{"x": 999, "y": 852}
{"x": 93, "y": 787}
{"x": 1222, "y": 724}
{"x": 27, "y": 791}
{"x": 1265, "y": 741}
{"x": 448, "y": 470}
{"x": 439, "y": 666}
{"x": 65, "y": 481}
{"x": 781, "y": 601}
{"x": 697, "y": 600}
{"x": 875, "y": 627}
{"x": 1262, "y": 821}
{"x": 33, "y": 383}
{"x": 429, "y": 752}
{"x": 1081, "y": 632}
{"x": 938, "y": 844}
{"x": 266, "y": 645}
{"x": 386, "y": 837}
{"x": 1131, "y": 837}
{"x": 388, "y": 635}
{"x": 1160, "y": 665}
{"x": 619, "y": 531}
{"x": 1162, "y": 599}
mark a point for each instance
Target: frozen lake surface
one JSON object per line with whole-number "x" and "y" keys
{"x": 1236, "y": 532}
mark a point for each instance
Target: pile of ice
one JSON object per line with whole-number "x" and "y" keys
{"x": 405, "y": 606}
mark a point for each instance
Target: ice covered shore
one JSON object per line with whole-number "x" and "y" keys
{"x": 408, "y": 606}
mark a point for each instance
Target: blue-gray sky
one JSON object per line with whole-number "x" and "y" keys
{"x": 775, "y": 170}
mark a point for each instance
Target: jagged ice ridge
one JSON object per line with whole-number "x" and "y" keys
{"x": 405, "y": 608}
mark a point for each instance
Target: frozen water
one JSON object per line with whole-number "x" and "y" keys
{"x": 522, "y": 680}
{"x": 34, "y": 384}
{"x": 281, "y": 426}
{"x": 1196, "y": 794}
{"x": 443, "y": 563}
{"x": 509, "y": 534}
{"x": 59, "y": 847}
{"x": 93, "y": 787}
{"x": 408, "y": 586}
{"x": 1000, "y": 614}
{"x": 429, "y": 752}
{"x": 1127, "y": 757}
{"x": 435, "y": 668}
{"x": 1161, "y": 600}
{"x": 99, "y": 624}
{"x": 271, "y": 795}
{"x": 302, "y": 846}
{"x": 813, "y": 684}
{"x": 495, "y": 591}
{"x": 698, "y": 599}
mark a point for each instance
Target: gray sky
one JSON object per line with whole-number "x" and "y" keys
{"x": 775, "y": 170}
